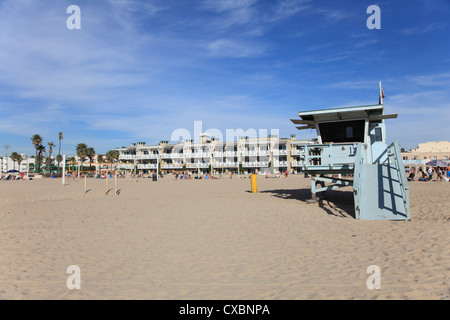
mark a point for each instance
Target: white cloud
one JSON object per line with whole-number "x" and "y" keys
{"x": 287, "y": 8}
{"x": 424, "y": 29}
{"x": 234, "y": 49}
{"x": 227, "y": 5}
{"x": 439, "y": 80}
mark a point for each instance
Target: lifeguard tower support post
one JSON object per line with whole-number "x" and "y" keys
{"x": 352, "y": 140}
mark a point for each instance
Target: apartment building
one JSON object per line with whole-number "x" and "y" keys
{"x": 7, "y": 164}
{"x": 425, "y": 152}
{"x": 248, "y": 155}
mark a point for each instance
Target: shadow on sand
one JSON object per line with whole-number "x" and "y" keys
{"x": 337, "y": 203}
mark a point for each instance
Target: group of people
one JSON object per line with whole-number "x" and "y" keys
{"x": 279, "y": 173}
{"x": 11, "y": 177}
{"x": 180, "y": 175}
{"x": 441, "y": 174}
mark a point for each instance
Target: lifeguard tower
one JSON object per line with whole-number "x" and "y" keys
{"x": 352, "y": 142}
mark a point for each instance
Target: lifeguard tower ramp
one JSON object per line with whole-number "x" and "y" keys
{"x": 352, "y": 151}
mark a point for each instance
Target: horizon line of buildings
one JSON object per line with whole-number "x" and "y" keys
{"x": 246, "y": 154}
{"x": 210, "y": 154}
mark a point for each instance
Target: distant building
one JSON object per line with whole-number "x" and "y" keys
{"x": 425, "y": 152}
{"x": 210, "y": 154}
{"x": 7, "y": 164}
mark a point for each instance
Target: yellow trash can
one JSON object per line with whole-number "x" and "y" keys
{"x": 253, "y": 182}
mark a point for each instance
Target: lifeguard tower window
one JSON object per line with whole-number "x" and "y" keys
{"x": 377, "y": 135}
{"x": 342, "y": 131}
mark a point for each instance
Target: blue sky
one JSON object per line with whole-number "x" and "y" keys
{"x": 138, "y": 70}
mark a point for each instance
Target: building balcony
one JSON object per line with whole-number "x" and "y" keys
{"x": 201, "y": 155}
{"x": 147, "y": 166}
{"x": 171, "y": 155}
{"x": 225, "y": 164}
{"x": 127, "y": 157}
{"x": 297, "y": 163}
{"x": 280, "y": 164}
{"x": 197, "y": 165}
{"x": 225, "y": 154}
{"x": 253, "y": 153}
{"x": 147, "y": 156}
{"x": 255, "y": 164}
{"x": 172, "y": 166}
{"x": 278, "y": 152}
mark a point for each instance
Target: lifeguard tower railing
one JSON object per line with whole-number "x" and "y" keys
{"x": 380, "y": 190}
{"x": 329, "y": 157}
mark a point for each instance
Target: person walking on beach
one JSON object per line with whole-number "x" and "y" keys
{"x": 439, "y": 174}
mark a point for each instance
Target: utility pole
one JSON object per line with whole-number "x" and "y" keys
{"x": 7, "y": 147}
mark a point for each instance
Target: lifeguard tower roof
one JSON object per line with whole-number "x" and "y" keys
{"x": 372, "y": 112}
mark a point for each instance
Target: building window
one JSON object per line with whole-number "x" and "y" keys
{"x": 445, "y": 157}
{"x": 434, "y": 158}
{"x": 405, "y": 158}
{"x": 416, "y": 158}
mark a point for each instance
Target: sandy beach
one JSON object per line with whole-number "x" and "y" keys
{"x": 213, "y": 239}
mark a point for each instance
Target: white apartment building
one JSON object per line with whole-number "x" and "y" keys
{"x": 7, "y": 164}
{"x": 247, "y": 155}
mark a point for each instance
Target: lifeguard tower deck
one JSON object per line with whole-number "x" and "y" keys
{"x": 352, "y": 142}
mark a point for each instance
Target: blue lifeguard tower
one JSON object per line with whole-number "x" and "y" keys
{"x": 352, "y": 142}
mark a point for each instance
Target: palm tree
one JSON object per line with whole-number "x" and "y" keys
{"x": 90, "y": 153}
{"x": 41, "y": 149}
{"x": 112, "y": 155}
{"x": 60, "y": 137}
{"x": 48, "y": 161}
{"x": 82, "y": 151}
{"x": 14, "y": 156}
{"x": 37, "y": 141}
{"x": 50, "y": 149}
{"x": 19, "y": 160}
{"x": 59, "y": 159}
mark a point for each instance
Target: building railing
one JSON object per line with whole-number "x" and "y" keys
{"x": 254, "y": 164}
{"x": 127, "y": 157}
{"x": 201, "y": 155}
{"x": 172, "y": 166}
{"x": 171, "y": 155}
{"x": 225, "y": 154}
{"x": 147, "y": 156}
{"x": 225, "y": 164}
{"x": 280, "y": 152}
{"x": 197, "y": 165}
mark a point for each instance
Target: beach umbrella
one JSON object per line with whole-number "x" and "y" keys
{"x": 13, "y": 171}
{"x": 437, "y": 163}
